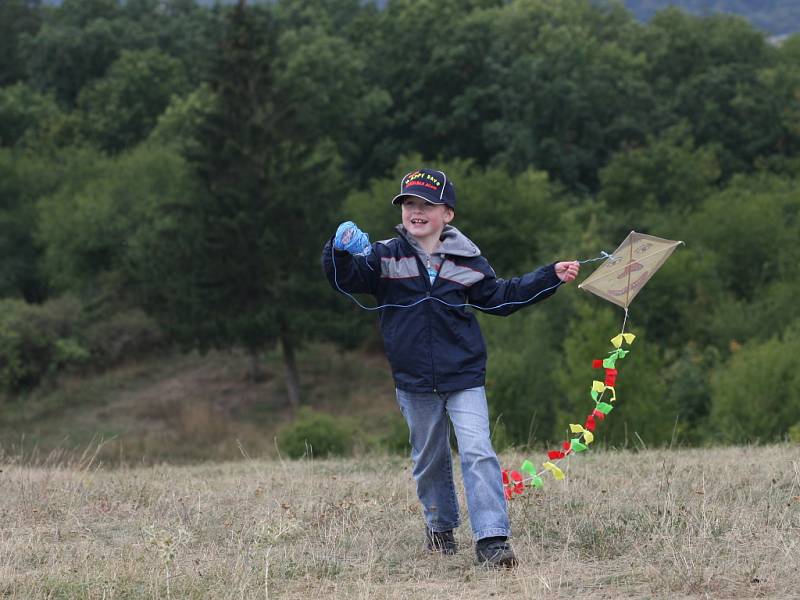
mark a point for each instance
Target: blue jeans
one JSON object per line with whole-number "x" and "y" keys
{"x": 429, "y": 427}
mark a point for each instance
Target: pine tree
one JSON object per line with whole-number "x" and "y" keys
{"x": 239, "y": 264}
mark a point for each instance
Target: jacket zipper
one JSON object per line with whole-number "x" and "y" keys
{"x": 429, "y": 285}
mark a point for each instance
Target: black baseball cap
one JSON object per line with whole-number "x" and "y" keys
{"x": 428, "y": 184}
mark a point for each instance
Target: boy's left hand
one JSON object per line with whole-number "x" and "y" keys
{"x": 568, "y": 270}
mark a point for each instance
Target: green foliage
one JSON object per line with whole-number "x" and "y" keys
{"x": 314, "y": 433}
{"x": 120, "y": 109}
{"x": 221, "y": 145}
{"x": 24, "y": 178}
{"x": 753, "y": 224}
{"x": 651, "y": 185}
{"x": 28, "y": 118}
{"x": 572, "y": 90}
{"x": 323, "y": 77}
{"x": 756, "y": 394}
{"x": 91, "y": 225}
{"x": 178, "y": 124}
{"x": 37, "y": 341}
{"x": 63, "y": 57}
{"x": 395, "y": 438}
{"x": 711, "y": 68}
{"x": 17, "y": 18}
{"x": 237, "y": 254}
{"x": 524, "y": 358}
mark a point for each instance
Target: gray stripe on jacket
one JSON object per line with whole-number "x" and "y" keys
{"x": 399, "y": 268}
{"x": 460, "y": 274}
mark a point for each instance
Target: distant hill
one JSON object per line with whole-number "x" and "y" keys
{"x": 776, "y": 17}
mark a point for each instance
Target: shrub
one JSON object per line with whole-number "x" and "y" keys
{"x": 794, "y": 433}
{"x": 395, "y": 438}
{"x": 37, "y": 340}
{"x": 756, "y": 395}
{"x": 122, "y": 335}
{"x": 317, "y": 434}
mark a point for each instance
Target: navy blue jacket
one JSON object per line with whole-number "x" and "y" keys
{"x": 432, "y": 347}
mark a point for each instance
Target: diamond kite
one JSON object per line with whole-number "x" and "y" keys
{"x": 625, "y": 272}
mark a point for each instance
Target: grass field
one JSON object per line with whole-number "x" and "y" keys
{"x": 718, "y": 523}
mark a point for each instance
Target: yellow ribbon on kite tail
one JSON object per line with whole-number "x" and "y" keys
{"x": 557, "y": 473}
{"x": 588, "y": 436}
{"x": 617, "y": 339}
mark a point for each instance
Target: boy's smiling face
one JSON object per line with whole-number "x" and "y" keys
{"x": 423, "y": 219}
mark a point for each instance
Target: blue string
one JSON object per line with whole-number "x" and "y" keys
{"x": 603, "y": 256}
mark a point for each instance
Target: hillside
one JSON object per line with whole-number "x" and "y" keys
{"x": 190, "y": 407}
{"x": 776, "y": 17}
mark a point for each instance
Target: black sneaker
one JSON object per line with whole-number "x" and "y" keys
{"x": 495, "y": 552}
{"x": 440, "y": 541}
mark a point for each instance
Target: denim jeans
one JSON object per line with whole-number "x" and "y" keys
{"x": 429, "y": 427}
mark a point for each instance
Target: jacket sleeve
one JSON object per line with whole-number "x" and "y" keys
{"x": 528, "y": 289}
{"x": 355, "y": 275}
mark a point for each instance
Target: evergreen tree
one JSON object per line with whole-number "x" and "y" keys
{"x": 238, "y": 262}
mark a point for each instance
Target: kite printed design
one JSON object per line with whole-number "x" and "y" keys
{"x": 619, "y": 279}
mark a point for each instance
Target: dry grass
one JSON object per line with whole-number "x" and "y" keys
{"x": 719, "y": 523}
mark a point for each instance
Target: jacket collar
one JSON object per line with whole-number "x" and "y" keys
{"x": 453, "y": 243}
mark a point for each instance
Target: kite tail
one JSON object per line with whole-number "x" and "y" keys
{"x": 604, "y": 394}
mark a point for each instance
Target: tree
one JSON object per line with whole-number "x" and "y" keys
{"x": 17, "y": 17}
{"x": 24, "y": 178}
{"x": 658, "y": 184}
{"x": 29, "y": 118}
{"x": 235, "y": 264}
{"x": 75, "y": 44}
{"x": 120, "y": 109}
{"x": 424, "y": 77}
{"x": 569, "y": 89}
{"x": 186, "y": 30}
{"x": 756, "y": 396}
{"x": 89, "y": 225}
{"x": 710, "y": 72}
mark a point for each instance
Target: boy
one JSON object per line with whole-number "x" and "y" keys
{"x": 436, "y": 350}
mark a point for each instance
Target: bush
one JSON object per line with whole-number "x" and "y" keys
{"x": 794, "y": 433}
{"x": 37, "y": 340}
{"x": 395, "y": 439}
{"x": 122, "y": 335}
{"x": 317, "y": 434}
{"x": 756, "y": 395}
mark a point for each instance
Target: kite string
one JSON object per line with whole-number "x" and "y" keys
{"x": 603, "y": 256}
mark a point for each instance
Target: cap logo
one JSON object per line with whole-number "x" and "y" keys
{"x": 426, "y": 180}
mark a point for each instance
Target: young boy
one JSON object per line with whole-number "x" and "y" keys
{"x": 436, "y": 350}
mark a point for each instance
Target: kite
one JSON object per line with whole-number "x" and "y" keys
{"x": 619, "y": 279}
{"x": 623, "y": 275}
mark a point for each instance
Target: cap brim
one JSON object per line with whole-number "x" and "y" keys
{"x": 399, "y": 196}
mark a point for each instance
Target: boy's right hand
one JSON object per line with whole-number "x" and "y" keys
{"x": 350, "y": 238}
